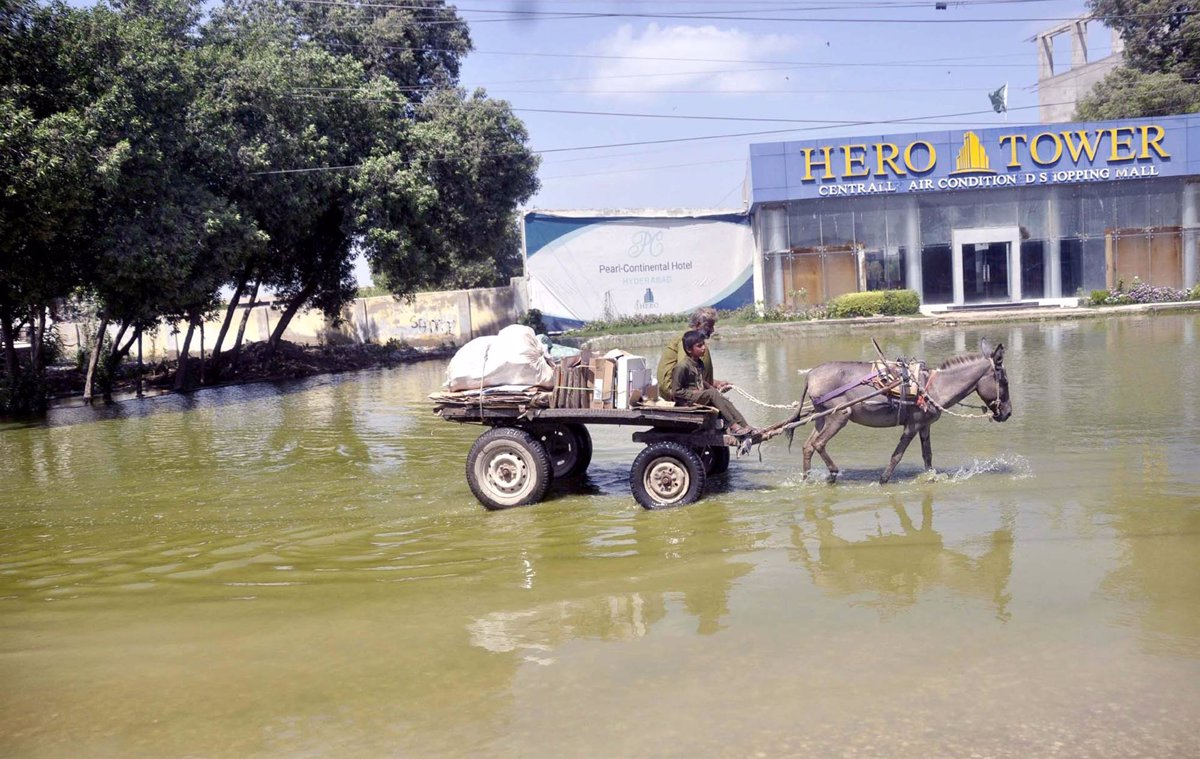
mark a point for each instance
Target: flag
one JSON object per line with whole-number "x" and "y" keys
{"x": 999, "y": 99}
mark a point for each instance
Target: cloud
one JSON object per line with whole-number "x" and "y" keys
{"x": 660, "y": 59}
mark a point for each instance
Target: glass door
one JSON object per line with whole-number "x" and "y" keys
{"x": 984, "y": 262}
{"x": 985, "y": 272}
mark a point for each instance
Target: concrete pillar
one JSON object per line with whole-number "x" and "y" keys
{"x": 1191, "y": 234}
{"x": 1045, "y": 48}
{"x": 1079, "y": 56}
{"x": 1053, "y": 246}
{"x": 912, "y": 241}
{"x": 759, "y": 238}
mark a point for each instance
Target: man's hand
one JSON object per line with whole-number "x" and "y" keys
{"x": 722, "y": 385}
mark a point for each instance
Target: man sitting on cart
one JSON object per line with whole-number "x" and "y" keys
{"x": 705, "y": 320}
{"x": 689, "y": 388}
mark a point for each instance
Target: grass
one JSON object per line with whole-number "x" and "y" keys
{"x": 631, "y": 325}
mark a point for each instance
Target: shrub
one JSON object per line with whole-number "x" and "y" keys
{"x": 1194, "y": 293}
{"x": 533, "y": 319}
{"x": 872, "y": 302}
{"x": 1140, "y": 293}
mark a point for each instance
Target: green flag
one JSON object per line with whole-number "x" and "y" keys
{"x": 999, "y": 99}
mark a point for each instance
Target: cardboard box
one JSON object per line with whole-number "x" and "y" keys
{"x": 604, "y": 392}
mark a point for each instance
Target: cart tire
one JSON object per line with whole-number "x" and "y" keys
{"x": 508, "y": 467}
{"x": 666, "y": 474}
{"x": 569, "y": 447}
{"x": 715, "y": 458}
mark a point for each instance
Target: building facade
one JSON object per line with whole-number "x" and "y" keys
{"x": 1039, "y": 213}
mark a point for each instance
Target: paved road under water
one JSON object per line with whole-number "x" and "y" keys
{"x": 299, "y": 570}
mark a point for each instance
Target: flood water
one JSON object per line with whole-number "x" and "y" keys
{"x": 299, "y": 570}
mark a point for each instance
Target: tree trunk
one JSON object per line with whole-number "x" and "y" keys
{"x": 141, "y": 369}
{"x": 112, "y": 362}
{"x": 237, "y": 344}
{"x": 181, "y": 370}
{"x": 201, "y": 350}
{"x": 38, "y": 339}
{"x": 214, "y": 366}
{"x": 292, "y": 307}
{"x": 8, "y": 337}
{"x": 94, "y": 360}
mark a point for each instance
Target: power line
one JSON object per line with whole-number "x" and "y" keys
{"x": 618, "y": 114}
{"x": 928, "y": 120}
{"x": 517, "y": 15}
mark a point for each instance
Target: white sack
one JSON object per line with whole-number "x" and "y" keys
{"x": 513, "y": 357}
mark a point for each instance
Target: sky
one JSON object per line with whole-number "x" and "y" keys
{"x": 637, "y": 77}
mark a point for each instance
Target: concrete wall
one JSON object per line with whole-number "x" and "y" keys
{"x": 1062, "y": 83}
{"x": 429, "y": 320}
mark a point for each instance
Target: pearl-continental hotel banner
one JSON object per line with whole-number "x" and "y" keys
{"x": 584, "y": 268}
{"x": 977, "y": 159}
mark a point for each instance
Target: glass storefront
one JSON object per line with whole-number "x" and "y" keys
{"x": 980, "y": 246}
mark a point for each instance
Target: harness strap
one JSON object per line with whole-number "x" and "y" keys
{"x": 923, "y": 397}
{"x": 843, "y": 389}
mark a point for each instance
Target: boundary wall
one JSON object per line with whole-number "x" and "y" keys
{"x": 432, "y": 319}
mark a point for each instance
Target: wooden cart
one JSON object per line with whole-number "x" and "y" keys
{"x": 514, "y": 462}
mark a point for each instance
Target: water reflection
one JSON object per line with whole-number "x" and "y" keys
{"x": 852, "y": 552}
{"x": 311, "y": 565}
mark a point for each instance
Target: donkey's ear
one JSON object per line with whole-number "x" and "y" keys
{"x": 998, "y": 354}
{"x": 984, "y": 348}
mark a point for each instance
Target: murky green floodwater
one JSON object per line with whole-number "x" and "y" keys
{"x": 300, "y": 571}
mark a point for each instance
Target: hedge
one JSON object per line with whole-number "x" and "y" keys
{"x": 872, "y": 302}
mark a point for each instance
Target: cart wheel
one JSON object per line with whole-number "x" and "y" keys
{"x": 715, "y": 458}
{"x": 569, "y": 446}
{"x": 666, "y": 474}
{"x": 508, "y": 467}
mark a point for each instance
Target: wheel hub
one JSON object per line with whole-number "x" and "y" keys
{"x": 666, "y": 480}
{"x": 507, "y": 472}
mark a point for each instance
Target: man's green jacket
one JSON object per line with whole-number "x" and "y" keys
{"x": 671, "y": 356}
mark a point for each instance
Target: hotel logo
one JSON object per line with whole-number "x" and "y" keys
{"x": 972, "y": 158}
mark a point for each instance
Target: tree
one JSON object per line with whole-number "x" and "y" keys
{"x": 51, "y": 162}
{"x": 437, "y": 211}
{"x": 1161, "y": 74}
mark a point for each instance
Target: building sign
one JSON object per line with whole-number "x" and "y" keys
{"x": 582, "y": 269}
{"x": 975, "y": 159}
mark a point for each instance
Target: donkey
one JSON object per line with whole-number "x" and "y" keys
{"x": 841, "y": 383}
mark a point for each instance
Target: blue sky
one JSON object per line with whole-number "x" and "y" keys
{"x": 889, "y": 59}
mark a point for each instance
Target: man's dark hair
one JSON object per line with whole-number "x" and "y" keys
{"x": 692, "y": 338}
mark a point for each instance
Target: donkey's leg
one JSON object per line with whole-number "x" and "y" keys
{"x": 905, "y": 438}
{"x": 926, "y": 448}
{"x": 833, "y": 425}
{"x": 808, "y": 449}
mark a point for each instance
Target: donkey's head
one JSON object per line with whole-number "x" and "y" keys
{"x": 993, "y": 386}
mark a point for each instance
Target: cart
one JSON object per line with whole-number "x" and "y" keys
{"x": 514, "y": 461}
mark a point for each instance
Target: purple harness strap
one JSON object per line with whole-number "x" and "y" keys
{"x": 844, "y": 388}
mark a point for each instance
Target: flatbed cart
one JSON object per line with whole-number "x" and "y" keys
{"x": 514, "y": 462}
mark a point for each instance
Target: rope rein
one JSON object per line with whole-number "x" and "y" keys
{"x": 752, "y": 399}
{"x": 929, "y": 399}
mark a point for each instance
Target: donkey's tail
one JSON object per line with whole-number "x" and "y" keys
{"x": 791, "y": 432}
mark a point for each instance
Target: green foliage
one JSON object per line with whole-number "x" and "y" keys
{"x": 533, "y": 319}
{"x": 1139, "y": 292}
{"x": 1129, "y": 93}
{"x": 1194, "y": 293}
{"x": 872, "y": 302}
{"x": 1161, "y": 74}
{"x": 155, "y": 151}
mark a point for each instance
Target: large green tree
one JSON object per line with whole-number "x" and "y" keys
{"x": 1161, "y": 74}
{"x": 154, "y": 152}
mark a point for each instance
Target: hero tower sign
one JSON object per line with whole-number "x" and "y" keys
{"x": 1007, "y": 157}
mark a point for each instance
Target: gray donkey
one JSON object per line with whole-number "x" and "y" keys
{"x": 846, "y": 385}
